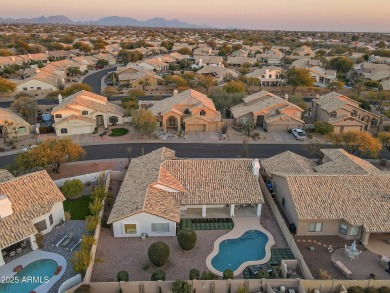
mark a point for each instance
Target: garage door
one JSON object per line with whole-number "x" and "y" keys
{"x": 213, "y": 127}
{"x": 336, "y": 129}
{"x": 277, "y": 127}
{"x": 81, "y": 130}
{"x": 352, "y": 128}
{"x": 196, "y": 127}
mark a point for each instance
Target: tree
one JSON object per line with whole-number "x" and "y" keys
{"x": 384, "y": 138}
{"x": 167, "y": 45}
{"x": 99, "y": 44}
{"x": 72, "y": 188}
{"x": 184, "y": 51}
{"x": 110, "y": 91}
{"x": 206, "y": 81}
{"x": 145, "y": 82}
{"x": 194, "y": 274}
{"x": 296, "y": 77}
{"x": 299, "y": 101}
{"x": 124, "y": 56}
{"x": 187, "y": 239}
{"x": 25, "y": 106}
{"x": 8, "y": 131}
{"x": 144, "y": 121}
{"x": 130, "y": 103}
{"x": 50, "y": 152}
{"x": 341, "y": 64}
{"x": 336, "y": 85}
{"x": 175, "y": 79}
{"x": 74, "y": 88}
{"x": 323, "y": 127}
{"x": 235, "y": 86}
{"x": 102, "y": 62}
{"x": 180, "y": 286}
{"x": 158, "y": 253}
{"x": 136, "y": 93}
{"x": 380, "y": 98}
{"x": 6, "y": 85}
{"x": 373, "y": 84}
{"x": 223, "y": 100}
{"x": 357, "y": 143}
{"x": 158, "y": 275}
{"x": 228, "y": 274}
{"x": 315, "y": 149}
{"x": 72, "y": 71}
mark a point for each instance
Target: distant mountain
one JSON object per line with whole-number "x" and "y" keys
{"x": 106, "y": 21}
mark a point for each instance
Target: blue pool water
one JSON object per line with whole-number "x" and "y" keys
{"x": 234, "y": 252}
{"x": 31, "y": 276}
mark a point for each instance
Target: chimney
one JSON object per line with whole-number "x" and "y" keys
{"x": 286, "y": 97}
{"x": 317, "y": 96}
{"x": 59, "y": 99}
{"x": 159, "y": 59}
{"x": 5, "y": 206}
{"x": 256, "y": 167}
{"x": 200, "y": 62}
{"x": 175, "y": 92}
{"x": 13, "y": 58}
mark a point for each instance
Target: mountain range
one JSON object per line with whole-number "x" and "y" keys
{"x": 105, "y": 21}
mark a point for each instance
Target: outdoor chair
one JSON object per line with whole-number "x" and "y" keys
{"x": 59, "y": 240}
{"x": 4, "y": 253}
{"x": 19, "y": 251}
{"x": 23, "y": 244}
{"x": 12, "y": 253}
{"x": 69, "y": 239}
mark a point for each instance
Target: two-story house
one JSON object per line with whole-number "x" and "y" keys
{"x": 83, "y": 111}
{"x": 189, "y": 110}
{"x": 322, "y": 77}
{"x": 268, "y": 76}
{"x": 343, "y": 113}
{"x": 268, "y": 111}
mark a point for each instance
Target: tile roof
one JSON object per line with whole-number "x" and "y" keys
{"x": 241, "y": 60}
{"x": 262, "y": 71}
{"x": 288, "y": 163}
{"x": 32, "y": 196}
{"x": 330, "y": 102}
{"x": 9, "y": 115}
{"x": 361, "y": 200}
{"x": 194, "y": 182}
{"x": 218, "y": 71}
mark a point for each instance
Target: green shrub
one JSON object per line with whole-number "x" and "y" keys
{"x": 355, "y": 289}
{"x": 180, "y": 286}
{"x": 72, "y": 188}
{"x": 158, "y": 275}
{"x": 289, "y": 131}
{"x": 262, "y": 274}
{"x": 83, "y": 289}
{"x": 228, "y": 274}
{"x": 384, "y": 289}
{"x": 323, "y": 128}
{"x": 187, "y": 239}
{"x": 194, "y": 274}
{"x": 122, "y": 276}
{"x": 371, "y": 290}
{"x": 208, "y": 276}
{"x": 158, "y": 253}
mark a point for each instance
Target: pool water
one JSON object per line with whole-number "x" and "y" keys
{"x": 31, "y": 276}
{"x": 234, "y": 252}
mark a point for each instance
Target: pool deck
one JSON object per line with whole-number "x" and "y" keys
{"x": 7, "y": 269}
{"x": 241, "y": 225}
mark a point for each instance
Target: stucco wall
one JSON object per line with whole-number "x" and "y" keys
{"x": 34, "y": 84}
{"x": 58, "y": 214}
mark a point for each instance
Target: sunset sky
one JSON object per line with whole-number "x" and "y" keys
{"x": 334, "y": 15}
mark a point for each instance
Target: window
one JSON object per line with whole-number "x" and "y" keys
{"x": 315, "y": 227}
{"x": 64, "y": 130}
{"x": 25, "y": 89}
{"x": 130, "y": 228}
{"x": 51, "y": 219}
{"x": 186, "y": 111}
{"x": 343, "y": 229}
{"x": 333, "y": 115}
{"x": 354, "y": 231}
{"x": 172, "y": 122}
{"x": 283, "y": 202}
{"x": 84, "y": 113}
{"x": 113, "y": 119}
{"x": 270, "y": 76}
{"x": 39, "y": 88}
{"x": 354, "y": 113}
{"x": 202, "y": 113}
{"x": 22, "y": 130}
{"x": 41, "y": 225}
{"x": 160, "y": 227}
{"x": 58, "y": 116}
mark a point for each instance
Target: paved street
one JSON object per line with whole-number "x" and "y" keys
{"x": 189, "y": 150}
{"x": 94, "y": 79}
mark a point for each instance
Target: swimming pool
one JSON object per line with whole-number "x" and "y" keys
{"x": 30, "y": 277}
{"x": 248, "y": 248}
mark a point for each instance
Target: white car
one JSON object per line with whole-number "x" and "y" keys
{"x": 299, "y": 134}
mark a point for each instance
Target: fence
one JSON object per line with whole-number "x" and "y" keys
{"x": 286, "y": 233}
{"x": 74, "y": 281}
{"x": 92, "y": 177}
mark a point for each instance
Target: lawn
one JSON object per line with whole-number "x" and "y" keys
{"x": 118, "y": 131}
{"x": 78, "y": 207}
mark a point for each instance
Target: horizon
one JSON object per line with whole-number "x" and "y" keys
{"x": 299, "y": 15}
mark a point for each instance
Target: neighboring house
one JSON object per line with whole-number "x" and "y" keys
{"x": 154, "y": 64}
{"x": 202, "y": 50}
{"x": 386, "y": 85}
{"x": 306, "y": 63}
{"x": 322, "y": 77}
{"x": 82, "y": 112}
{"x": 134, "y": 76}
{"x": 110, "y": 58}
{"x": 271, "y": 57}
{"x": 241, "y": 61}
{"x": 179, "y": 57}
{"x": 304, "y": 51}
{"x": 343, "y": 113}
{"x": 29, "y": 204}
{"x": 253, "y": 50}
{"x": 239, "y": 53}
{"x": 42, "y": 80}
{"x": 190, "y": 110}
{"x": 207, "y": 60}
{"x": 218, "y": 72}
{"x": 10, "y": 60}
{"x": 268, "y": 111}
{"x": 344, "y": 195}
{"x": 59, "y": 54}
{"x": 268, "y": 76}
{"x": 12, "y": 124}
{"x": 159, "y": 188}
{"x": 371, "y": 71}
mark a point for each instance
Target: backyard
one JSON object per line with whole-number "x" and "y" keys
{"x": 78, "y": 208}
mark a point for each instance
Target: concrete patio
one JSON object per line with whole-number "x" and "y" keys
{"x": 379, "y": 244}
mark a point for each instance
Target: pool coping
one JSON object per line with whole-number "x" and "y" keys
{"x": 35, "y": 255}
{"x": 235, "y": 233}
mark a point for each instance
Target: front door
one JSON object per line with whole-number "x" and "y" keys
{"x": 99, "y": 120}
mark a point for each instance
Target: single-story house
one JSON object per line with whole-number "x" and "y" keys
{"x": 12, "y": 124}
{"x": 158, "y": 187}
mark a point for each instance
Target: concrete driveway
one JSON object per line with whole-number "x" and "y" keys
{"x": 285, "y": 137}
{"x": 202, "y": 137}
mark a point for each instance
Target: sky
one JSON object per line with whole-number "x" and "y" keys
{"x": 310, "y": 15}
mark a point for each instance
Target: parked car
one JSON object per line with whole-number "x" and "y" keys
{"x": 299, "y": 134}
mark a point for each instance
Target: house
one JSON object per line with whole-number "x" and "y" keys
{"x": 218, "y": 72}
{"x": 386, "y": 85}
{"x": 154, "y": 64}
{"x": 268, "y": 76}
{"x": 203, "y": 60}
{"x": 29, "y": 204}
{"x": 42, "y": 81}
{"x": 190, "y": 110}
{"x": 134, "y": 76}
{"x": 306, "y": 63}
{"x": 271, "y": 57}
{"x": 82, "y": 112}
{"x": 268, "y": 111}
{"x": 304, "y": 51}
{"x": 253, "y": 50}
{"x": 322, "y": 77}
{"x": 202, "y": 49}
{"x": 343, "y": 113}
{"x": 241, "y": 61}
{"x": 159, "y": 188}
{"x": 13, "y": 124}
{"x": 239, "y": 53}
{"x": 10, "y": 60}
{"x": 343, "y": 195}
{"x": 371, "y": 71}
{"x": 59, "y": 54}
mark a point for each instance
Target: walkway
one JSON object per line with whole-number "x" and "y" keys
{"x": 379, "y": 244}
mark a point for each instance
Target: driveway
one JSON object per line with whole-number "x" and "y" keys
{"x": 200, "y": 136}
{"x": 285, "y": 137}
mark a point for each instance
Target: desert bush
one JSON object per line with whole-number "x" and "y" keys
{"x": 355, "y": 289}
{"x": 158, "y": 275}
{"x": 83, "y": 289}
{"x": 323, "y": 128}
{"x": 187, "y": 239}
{"x": 122, "y": 276}
{"x": 194, "y": 274}
{"x": 325, "y": 275}
{"x": 72, "y": 188}
{"x": 228, "y": 274}
{"x": 158, "y": 253}
{"x": 208, "y": 276}
{"x": 180, "y": 286}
